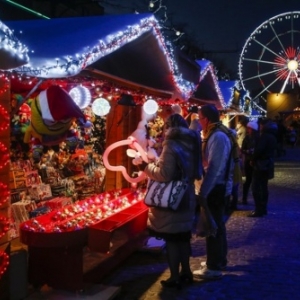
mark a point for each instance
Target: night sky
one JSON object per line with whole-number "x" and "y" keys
{"x": 220, "y": 27}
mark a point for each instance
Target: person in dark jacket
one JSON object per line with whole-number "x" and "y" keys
{"x": 175, "y": 227}
{"x": 247, "y": 150}
{"x": 263, "y": 166}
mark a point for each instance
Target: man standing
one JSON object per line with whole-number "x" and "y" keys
{"x": 218, "y": 147}
{"x": 263, "y": 166}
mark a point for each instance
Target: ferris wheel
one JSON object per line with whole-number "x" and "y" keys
{"x": 270, "y": 58}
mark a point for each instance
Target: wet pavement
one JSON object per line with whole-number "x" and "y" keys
{"x": 263, "y": 258}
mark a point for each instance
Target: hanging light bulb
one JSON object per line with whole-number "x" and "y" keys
{"x": 81, "y": 96}
{"x": 150, "y": 107}
{"x": 151, "y": 4}
{"x": 100, "y": 107}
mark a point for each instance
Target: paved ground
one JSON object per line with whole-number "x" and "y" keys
{"x": 264, "y": 255}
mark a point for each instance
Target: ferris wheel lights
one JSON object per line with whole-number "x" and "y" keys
{"x": 292, "y": 65}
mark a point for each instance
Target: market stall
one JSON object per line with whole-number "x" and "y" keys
{"x": 66, "y": 206}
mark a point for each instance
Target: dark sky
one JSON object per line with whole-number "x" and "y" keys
{"x": 219, "y": 28}
{"x": 216, "y": 25}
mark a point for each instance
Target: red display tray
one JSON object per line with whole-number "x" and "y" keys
{"x": 115, "y": 231}
{"x": 53, "y": 230}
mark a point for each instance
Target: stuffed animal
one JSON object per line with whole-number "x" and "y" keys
{"x": 52, "y": 114}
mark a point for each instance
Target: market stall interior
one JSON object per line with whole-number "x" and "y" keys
{"x": 63, "y": 109}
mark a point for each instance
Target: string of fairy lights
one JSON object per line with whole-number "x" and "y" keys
{"x": 69, "y": 66}
{"x": 4, "y": 161}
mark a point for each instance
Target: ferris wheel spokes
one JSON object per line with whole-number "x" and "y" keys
{"x": 292, "y": 31}
{"x": 285, "y": 82}
{"x": 266, "y": 88}
{"x": 263, "y": 74}
{"x": 270, "y": 58}
{"x": 278, "y": 39}
{"x": 263, "y": 61}
{"x": 267, "y": 48}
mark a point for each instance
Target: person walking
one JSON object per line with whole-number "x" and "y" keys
{"x": 218, "y": 146}
{"x": 247, "y": 150}
{"x": 263, "y": 166}
{"x": 175, "y": 227}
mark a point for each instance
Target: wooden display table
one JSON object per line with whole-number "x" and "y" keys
{"x": 82, "y": 242}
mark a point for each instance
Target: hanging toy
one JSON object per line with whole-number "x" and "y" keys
{"x": 24, "y": 117}
{"x": 52, "y": 114}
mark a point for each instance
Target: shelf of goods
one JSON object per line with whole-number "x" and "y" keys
{"x": 82, "y": 242}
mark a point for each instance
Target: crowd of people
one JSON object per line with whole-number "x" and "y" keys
{"x": 216, "y": 158}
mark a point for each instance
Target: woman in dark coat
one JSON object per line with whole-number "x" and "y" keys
{"x": 263, "y": 166}
{"x": 180, "y": 144}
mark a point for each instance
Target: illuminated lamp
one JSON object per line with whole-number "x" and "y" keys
{"x": 81, "y": 96}
{"x": 150, "y": 107}
{"x": 100, "y": 107}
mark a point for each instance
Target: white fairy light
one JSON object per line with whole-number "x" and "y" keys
{"x": 100, "y": 107}
{"x": 81, "y": 96}
{"x": 150, "y": 107}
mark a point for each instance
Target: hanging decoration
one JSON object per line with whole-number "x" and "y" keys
{"x": 4, "y": 155}
{"x": 53, "y": 112}
{"x": 150, "y": 107}
{"x": 81, "y": 96}
{"x": 4, "y": 118}
{"x": 100, "y": 107}
{"x": 132, "y": 143}
{"x": 4, "y": 226}
{"x": 4, "y": 193}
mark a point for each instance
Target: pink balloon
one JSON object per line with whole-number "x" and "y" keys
{"x": 134, "y": 144}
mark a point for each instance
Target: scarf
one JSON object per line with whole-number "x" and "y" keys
{"x": 235, "y": 153}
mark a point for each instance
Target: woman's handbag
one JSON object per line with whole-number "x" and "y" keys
{"x": 165, "y": 194}
{"x": 206, "y": 225}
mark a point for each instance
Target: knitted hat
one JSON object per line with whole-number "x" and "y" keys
{"x": 57, "y": 105}
{"x": 252, "y": 125}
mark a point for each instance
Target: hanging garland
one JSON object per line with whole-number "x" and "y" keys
{"x": 4, "y": 226}
{"x": 4, "y": 155}
{"x": 4, "y": 193}
{"x": 4, "y": 118}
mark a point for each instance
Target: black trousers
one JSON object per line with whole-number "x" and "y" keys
{"x": 260, "y": 190}
{"x": 216, "y": 247}
{"x": 248, "y": 179}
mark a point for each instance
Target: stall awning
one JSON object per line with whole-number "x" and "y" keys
{"x": 13, "y": 53}
{"x": 129, "y": 47}
{"x": 208, "y": 90}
